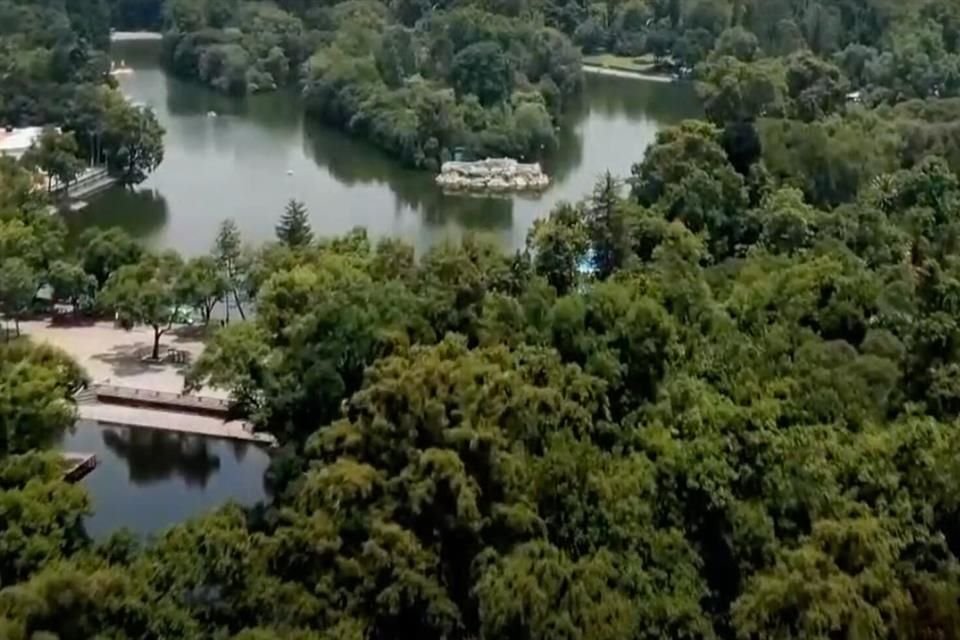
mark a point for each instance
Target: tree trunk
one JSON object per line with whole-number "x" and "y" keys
{"x": 236, "y": 297}
{"x": 16, "y": 323}
{"x": 156, "y": 342}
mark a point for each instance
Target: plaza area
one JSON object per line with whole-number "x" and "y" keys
{"x": 115, "y": 357}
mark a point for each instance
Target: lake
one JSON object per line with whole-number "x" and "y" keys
{"x": 239, "y": 165}
{"x": 246, "y": 163}
{"x": 147, "y": 480}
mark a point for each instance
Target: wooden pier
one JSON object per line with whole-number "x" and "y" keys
{"x": 78, "y": 465}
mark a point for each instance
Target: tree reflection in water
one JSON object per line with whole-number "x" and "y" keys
{"x": 153, "y": 455}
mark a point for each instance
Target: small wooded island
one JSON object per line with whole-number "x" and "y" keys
{"x": 425, "y": 86}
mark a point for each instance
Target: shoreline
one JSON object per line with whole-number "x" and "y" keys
{"x": 623, "y": 73}
{"x": 128, "y": 36}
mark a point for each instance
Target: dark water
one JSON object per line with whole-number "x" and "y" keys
{"x": 148, "y": 480}
{"x": 236, "y": 165}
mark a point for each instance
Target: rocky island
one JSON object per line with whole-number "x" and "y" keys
{"x": 492, "y": 174}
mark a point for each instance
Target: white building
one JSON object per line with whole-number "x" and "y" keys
{"x": 15, "y": 142}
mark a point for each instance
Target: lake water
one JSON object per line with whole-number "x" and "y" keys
{"x": 236, "y": 165}
{"x": 147, "y": 480}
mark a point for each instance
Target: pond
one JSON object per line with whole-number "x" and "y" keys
{"x": 147, "y": 480}
{"x": 258, "y": 152}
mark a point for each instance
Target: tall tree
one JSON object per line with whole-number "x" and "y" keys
{"x": 70, "y": 282}
{"x": 607, "y": 223}
{"x": 104, "y": 251}
{"x": 202, "y": 285}
{"x": 19, "y": 283}
{"x": 228, "y": 251}
{"x": 293, "y": 229}
{"x": 146, "y": 293}
{"x": 482, "y": 69}
{"x": 57, "y": 155}
{"x": 560, "y": 245}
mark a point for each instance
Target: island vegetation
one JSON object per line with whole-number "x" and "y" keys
{"x": 716, "y": 398}
{"x": 428, "y": 82}
{"x": 424, "y": 86}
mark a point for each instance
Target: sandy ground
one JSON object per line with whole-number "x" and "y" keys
{"x": 114, "y": 356}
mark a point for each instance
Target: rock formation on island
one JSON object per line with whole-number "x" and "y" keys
{"x": 492, "y": 174}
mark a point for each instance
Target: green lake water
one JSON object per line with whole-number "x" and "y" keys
{"x": 259, "y": 152}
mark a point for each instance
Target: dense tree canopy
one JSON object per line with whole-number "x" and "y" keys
{"x": 718, "y": 399}
{"x": 54, "y": 73}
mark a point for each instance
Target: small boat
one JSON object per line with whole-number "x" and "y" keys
{"x": 289, "y": 172}
{"x": 211, "y": 114}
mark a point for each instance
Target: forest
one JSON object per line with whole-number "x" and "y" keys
{"x": 716, "y": 398}
{"x": 428, "y": 82}
{"x": 54, "y": 72}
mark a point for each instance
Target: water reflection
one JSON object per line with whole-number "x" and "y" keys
{"x": 153, "y": 455}
{"x": 148, "y": 480}
{"x": 142, "y": 212}
{"x": 259, "y": 152}
{"x": 353, "y": 162}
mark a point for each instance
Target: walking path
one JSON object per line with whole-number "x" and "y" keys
{"x": 114, "y": 360}
{"x": 124, "y": 36}
{"x": 170, "y": 421}
{"x": 623, "y": 73}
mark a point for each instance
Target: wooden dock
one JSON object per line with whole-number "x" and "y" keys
{"x": 78, "y": 465}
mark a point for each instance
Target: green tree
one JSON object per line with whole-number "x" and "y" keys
{"x": 687, "y": 176}
{"x": 202, "y": 285}
{"x": 228, "y": 254}
{"x": 815, "y": 88}
{"x": 37, "y": 384}
{"x": 559, "y": 244}
{"x": 146, "y": 293}
{"x": 482, "y": 69}
{"x": 18, "y": 288}
{"x": 133, "y": 141}
{"x": 396, "y": 58}
{"x": 738, "y": 43}
{"x": 43, "y": 523}
{"x": 70, "y": 282}
{"x": 608, "y": 226}
{"x": 735, "y": 91}
{"x": 105, "y": 251}
{"x": 293, "y": 229}
{"x": 787, "y": 224}
{"x": 57, "y": 155}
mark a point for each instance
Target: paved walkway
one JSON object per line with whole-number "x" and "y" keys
{"x": 170, "y": 421}
{"x": 624, "y": 73}
{"x": 115, "y": 356}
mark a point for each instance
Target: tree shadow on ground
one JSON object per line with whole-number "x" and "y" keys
{"x": 133, "y": 359}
